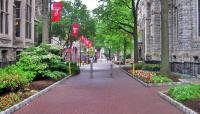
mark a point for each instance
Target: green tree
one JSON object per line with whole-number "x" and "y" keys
{"x": 123, "y": 14}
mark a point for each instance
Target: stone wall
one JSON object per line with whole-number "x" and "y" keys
{"x": 184, "y": 41}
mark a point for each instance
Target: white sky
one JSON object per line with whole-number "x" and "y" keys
{"x": 91, "y": 4}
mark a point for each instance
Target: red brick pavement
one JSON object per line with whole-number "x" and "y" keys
{"x": 100, "y": 95}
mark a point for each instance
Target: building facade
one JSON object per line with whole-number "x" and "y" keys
{"x": 17, "y": 21}
{"x": 184, "y": 30}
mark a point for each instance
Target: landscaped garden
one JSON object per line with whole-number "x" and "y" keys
{"x": 188, "y": 95}
{"x": 37, "y": 68}
{"x": 149, "y": 74}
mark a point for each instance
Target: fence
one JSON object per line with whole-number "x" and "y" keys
{"x": 189, "y": 68}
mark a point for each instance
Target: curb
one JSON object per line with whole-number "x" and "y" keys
{"x": 31, "y": 98}
{"x": 155, "y": 84}
{"x": 177, "y": 104}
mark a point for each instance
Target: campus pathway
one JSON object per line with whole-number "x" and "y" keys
{"x": 100, "y": 94}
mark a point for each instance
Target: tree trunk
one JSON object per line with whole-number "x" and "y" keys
{"x": 45, "y": 33}
{"x": 135, "y": 35}
{"x": 165, "y": 67}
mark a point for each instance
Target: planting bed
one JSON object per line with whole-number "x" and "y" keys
{"x": 8, "y": 99}
{"x": 149, "y": 78}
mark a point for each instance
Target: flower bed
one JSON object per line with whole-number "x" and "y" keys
{"x": 154, "y": 79}
{"x": 151, "y": 77}
{"x": 184, "y": 97}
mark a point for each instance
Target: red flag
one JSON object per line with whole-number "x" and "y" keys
{"x": 75, "y": 28}
{"x": 57, "y": 8}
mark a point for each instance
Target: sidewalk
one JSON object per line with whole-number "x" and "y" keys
{"x": 100, "y": 94}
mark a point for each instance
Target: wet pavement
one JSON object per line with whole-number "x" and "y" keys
{"x": 100, "y": 94}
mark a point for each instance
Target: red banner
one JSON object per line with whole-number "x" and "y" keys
{"x": 75, "y": 28}
{"x": 82, "y": 39}
{"x": 56, "y": 12}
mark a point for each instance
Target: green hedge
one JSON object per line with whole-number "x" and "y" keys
{"x": 149, "y": 67}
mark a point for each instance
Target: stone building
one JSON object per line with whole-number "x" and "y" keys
{"x": 184, "y": 31}
{"x": 17, "y": 21}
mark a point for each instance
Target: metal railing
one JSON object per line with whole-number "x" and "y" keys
{"x": 189, "y": 68}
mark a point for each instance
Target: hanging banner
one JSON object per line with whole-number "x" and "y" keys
{"x": 82, "y": 39}
{"x": 56, "y": 11}
{"x": 75, "y": 28}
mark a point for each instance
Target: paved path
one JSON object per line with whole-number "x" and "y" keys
{"x": 100, "y": 94}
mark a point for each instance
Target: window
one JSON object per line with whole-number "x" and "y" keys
{"x": 4, "y": 55}
{"x": 28, "y": 18}
{"x": 18, "y": 20}
{"x": 4, "y": 17}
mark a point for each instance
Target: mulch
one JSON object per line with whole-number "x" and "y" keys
{"x": 194, "y": 105}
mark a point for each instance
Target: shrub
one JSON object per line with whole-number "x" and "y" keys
{"x": 151, "y": 67}
{"x": 160, "y": 79}
{"x": 8, "y": 100}
{"x": 13, "y": 78}
{"x": 54, "y": 74}
{"x": 185, "y": 92}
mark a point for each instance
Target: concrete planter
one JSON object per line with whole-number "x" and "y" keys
{"x": 177, "y": 104}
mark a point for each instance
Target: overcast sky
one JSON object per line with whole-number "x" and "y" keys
{"x": 91, "y": 4}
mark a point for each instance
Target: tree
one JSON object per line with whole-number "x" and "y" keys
{"x": 123, "y": 13}
{"x": 70, "y": 11}
{"x": 165, "y": 67}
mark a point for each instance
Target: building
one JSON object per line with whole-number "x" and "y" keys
{"x": 184, "y": 33}
{"x": 17, "y": 21}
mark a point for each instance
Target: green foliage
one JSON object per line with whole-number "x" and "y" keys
{"x": 74, "y": 67}
{"x": 185, "y": 92}
{"x": 73, "y": 9}
{"x": 151, "y": 67}
{"x": 13, "y": 78}
{"x": 54, "y": 74}
{"x": 8, "y": 100}
{"x": 160, "y": 79}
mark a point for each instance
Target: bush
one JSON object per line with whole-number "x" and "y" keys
{"x": 185, "y": 92}
{"x": 138, "y": 66}
{"x": 43, "y": 61}
{"x": 160, "y": 79}
{"x": 151, "y": 67}
{"x": 54, "y": 74}
{"x": 14, "y": 78}
{"x": 8, "y": 100}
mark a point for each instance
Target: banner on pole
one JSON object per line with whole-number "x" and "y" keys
{"x": 75, "y": 28}
{"x": 56, "y": 12}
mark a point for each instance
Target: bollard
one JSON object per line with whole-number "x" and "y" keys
{"x": 69, "y": 68}
{"x": 111, "y": 67}
{"x": 91, "y": 68}
{"x": 133, "y": 69}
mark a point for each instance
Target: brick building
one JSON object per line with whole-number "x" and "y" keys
{"x": 184, "y": 32}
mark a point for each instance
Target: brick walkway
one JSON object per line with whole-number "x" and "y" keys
{"x": 101, "y": 94}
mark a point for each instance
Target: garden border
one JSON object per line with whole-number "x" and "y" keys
{"x": 175, "y": 103}
{"x": 33, "y": 97}
{"x": 155, "y": 84}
